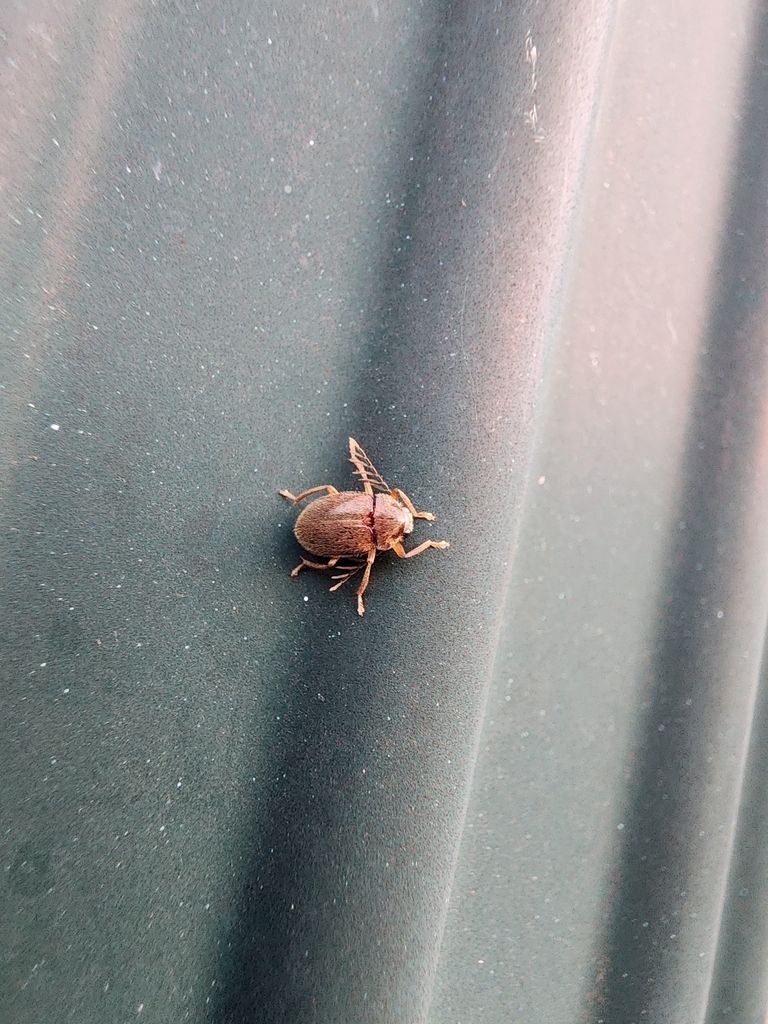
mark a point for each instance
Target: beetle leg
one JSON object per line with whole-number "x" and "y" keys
{"x": 348, "y": 571}
{"x": 398, "y": 495}
{"x": 402, "y": 553}
{"x": 314, "y": 565}
{"x": 364, "y": 583}
{"x": 306, "y": 494}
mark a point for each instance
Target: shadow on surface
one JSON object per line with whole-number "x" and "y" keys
{"x": 739, "y": 982}
{"x": 329, "y": 885}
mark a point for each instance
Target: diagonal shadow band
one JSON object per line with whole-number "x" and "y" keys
{"x": 342, "y": 893}
{"x": 351, "y": 843}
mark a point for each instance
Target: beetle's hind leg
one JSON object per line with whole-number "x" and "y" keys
{"x": 305, "y": 563}
{"x": 347, "y": 572}
{"x": 306, "y": 494}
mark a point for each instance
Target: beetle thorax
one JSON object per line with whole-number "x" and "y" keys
{"x": 391, "y": 521}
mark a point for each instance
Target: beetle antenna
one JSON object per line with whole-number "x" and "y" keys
{"x": 365, "y": 469}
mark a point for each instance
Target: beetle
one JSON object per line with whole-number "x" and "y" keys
{"x": 354, "y": 525}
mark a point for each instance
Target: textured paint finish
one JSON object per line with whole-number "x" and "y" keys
{"x": 518, "y": 250}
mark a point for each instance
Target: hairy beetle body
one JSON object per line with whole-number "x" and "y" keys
{"x": 356, "y": 524}
{"x": 348, "y": 524}
{"x": 338, "y": 524}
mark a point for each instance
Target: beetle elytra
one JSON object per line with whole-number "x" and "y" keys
{"x": 354, "y": 525}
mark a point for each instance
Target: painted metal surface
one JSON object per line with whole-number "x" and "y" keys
{"x": 517, "y": 252}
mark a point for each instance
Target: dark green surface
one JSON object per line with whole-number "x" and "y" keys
{"x": 494, "y": 244}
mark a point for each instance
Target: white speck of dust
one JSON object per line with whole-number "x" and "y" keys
{"x": 306, "y": 598}
{"x": 55, "y": 426}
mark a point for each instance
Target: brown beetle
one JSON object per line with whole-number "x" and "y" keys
{"x": 354, "y": 525}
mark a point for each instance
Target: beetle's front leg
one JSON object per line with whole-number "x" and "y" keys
{"x": 306, "y": 494}
{"x": 402, "y": 553}
{"x": 314, "y": 565}
{"x": 400, "y": 496}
